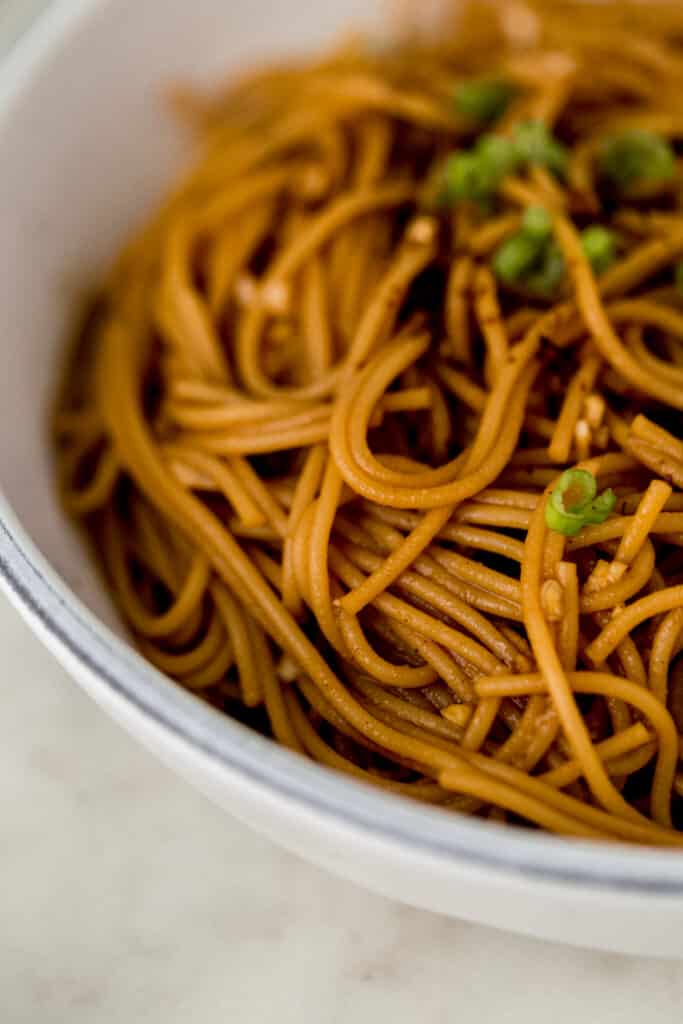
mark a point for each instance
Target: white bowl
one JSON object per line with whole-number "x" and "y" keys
{"x": 86, "y": 147}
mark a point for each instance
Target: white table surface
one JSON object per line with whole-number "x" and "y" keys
{"x": 126, "y": 898}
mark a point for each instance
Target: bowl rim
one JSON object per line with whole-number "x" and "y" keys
{"x": 412, "y": 830}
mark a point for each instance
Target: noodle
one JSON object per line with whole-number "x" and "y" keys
{"x": 317, "y": 422}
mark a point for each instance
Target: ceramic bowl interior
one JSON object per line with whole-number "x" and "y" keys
{"x": 99, "y": 151}
{"x": 87, "y": 148}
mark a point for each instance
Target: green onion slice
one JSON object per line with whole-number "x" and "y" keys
{"x": 475, "y": 175}
{"x": 574, "y": 503}
{"x": 537, "y": 223}
{"x": 497, "y": 155}
{"x": 535, "y": 144}
{"x": 634, "y": 157}
{"x": 549, "y": 273}
{"x": 484, "y": 100}
{"x": 515, "y": 258}
{"x": 531, "y": 259}
{"x": 600, "y": 247}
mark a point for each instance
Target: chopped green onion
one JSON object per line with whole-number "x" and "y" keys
{"x": 466, "y": 178}
{"x": 461, "y": 177}
{"x": 476, "y": 174}
{"x": 600, "y": 247}
{"x": 635, "y": 157}
{"x": 603, "y": 506}
{"x": 534, "y": 144}
{"x": 531, "y": 258}
{"x": 484, "y": 100}
{"x": 573, "y": 504}
{"x": 537, "y": 223}
{"x": 515, "y": 258}
{"x": 497, "y": 155}
{"x": 551, "y": 270}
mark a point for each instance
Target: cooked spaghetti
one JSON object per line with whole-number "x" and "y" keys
{"x": 376, "y": 426}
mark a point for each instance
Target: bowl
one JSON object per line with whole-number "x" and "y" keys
{"x": 87, "y": 146}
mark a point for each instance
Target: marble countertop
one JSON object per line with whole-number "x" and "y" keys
{"x": 126, "y": 898}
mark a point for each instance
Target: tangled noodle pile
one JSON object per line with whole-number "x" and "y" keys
{"x": 376, "y": 426}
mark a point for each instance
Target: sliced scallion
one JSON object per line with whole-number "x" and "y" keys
{"x": 574, "y": 503}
